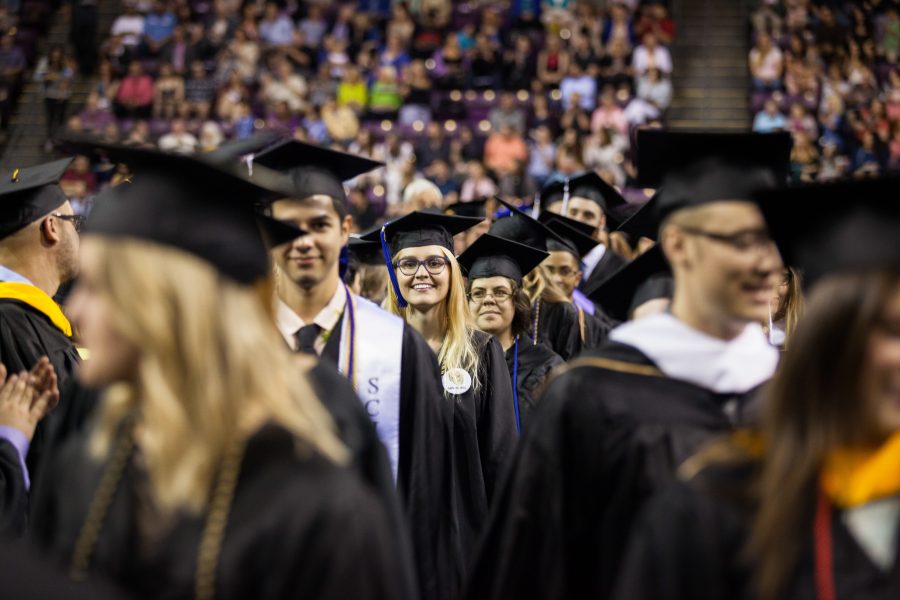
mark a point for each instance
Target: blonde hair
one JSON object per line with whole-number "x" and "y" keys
{"x": 458, "y": 349}
{"x": 538, "y": 285}
{"x": 200, "y": 380}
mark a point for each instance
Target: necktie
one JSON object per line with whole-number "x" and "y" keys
{"x": 306, "y": 339}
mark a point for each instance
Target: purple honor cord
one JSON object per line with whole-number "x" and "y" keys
{"x": 515, "y": 385}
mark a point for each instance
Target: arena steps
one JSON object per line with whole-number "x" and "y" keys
{"x": 711, "y": 80}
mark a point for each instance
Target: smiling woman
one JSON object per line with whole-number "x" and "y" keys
{"x": 428, "y": 291}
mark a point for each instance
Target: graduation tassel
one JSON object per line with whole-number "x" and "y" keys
{"x": 344, "y": 261}
{"x": 536, "y": 207}
{"x": 565, "y": 206}
{"x": 386, "y": 251}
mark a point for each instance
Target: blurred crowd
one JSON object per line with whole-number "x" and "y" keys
{"x": 477, "y": 97}
{"x": 827, "y": 71}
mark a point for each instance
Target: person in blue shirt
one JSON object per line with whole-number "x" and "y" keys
{"x": 158, "y": 27}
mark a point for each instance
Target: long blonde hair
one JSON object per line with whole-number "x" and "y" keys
{"x": 458, "y": 349}
{"x": 538, "y": 285}
{"x": 210, "y": 361}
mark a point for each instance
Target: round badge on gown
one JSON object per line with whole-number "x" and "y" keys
{"x": 456, "y": 381}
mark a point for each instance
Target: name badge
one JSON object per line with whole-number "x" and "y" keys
{"x": 456, "y": 381}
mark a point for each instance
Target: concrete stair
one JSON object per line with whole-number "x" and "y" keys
{"x": 711, "y": 78}
{"x": 24, "y": 145}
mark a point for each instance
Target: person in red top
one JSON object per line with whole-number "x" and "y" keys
{"x": 135, "y": 95}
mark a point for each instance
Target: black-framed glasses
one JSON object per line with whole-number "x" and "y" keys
{"x": 433, "y": 264}
{"x": 480, "y": 295}
{"x": 743, "y": 241}
{"x": 77, "y": 221}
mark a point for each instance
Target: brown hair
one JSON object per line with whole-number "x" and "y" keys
{"x": 813, "y": 407}
{"x": 790, "y": 306}
{"x": 521, "y": 321}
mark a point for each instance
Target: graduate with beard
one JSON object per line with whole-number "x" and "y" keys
{"x": 615, "y": 425}
{"x": 554, "y": 320}
{"x": 565, "y": 264}
{"x": 495, "y": 268}
{"x": 807, "y": 507}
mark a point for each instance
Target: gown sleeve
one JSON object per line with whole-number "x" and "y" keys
{"x": 13, "y": 494}
{"x": 497, "y": 418}
{"x": 560, "y": 328}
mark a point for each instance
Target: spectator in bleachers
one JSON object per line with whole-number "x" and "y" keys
{"x": 106, "y": 85}
{"x": 394, "y": 54}
{"x": 484, "y": 66}
{"x": 134, "y": 96}
{"x": 282, "y": 120}
{"x": 655, "y": 88}
{"x": 168, "y": 93}
{"x": 832, "y": 164}
{"x": 245, "y": 54}
{"x": 129, "y": 27}
{"x": 519, "y": 69}
{"x": 651, "y": 54}
{"x": 799, "y": 121}
{"x": 505, "y": 151}
{"x": 575, "y": 117}
{"x": 615, "y": 66}
{"x": 158, "y": 27}
{"x": 55, "y": 72}
{"x": 230, "y": 95}
{"x": 542, "y": 116}
{"x": 477, "y": 184}
{"x": 655, "y": 19}
{"x": 283, "y": 84}
{"x": 578, "y": 84}
{"x": 507, "y": 113}
{"x": 618, "y": 26}
{"x": 541, "y": 155}
{"x": 438, "y": 172}
{"x": 449, "y": 68}
{"x": 552, "y": 62}
{"x": 766, "y": 63}
{"x": 352, "y": 91}
{"x": 93, "y": 117}
{"x": 179, "y": 140}
{"x": 769, "y": 119}
{"x": 384, "y": 94}
{"x": 12, "y": 64}
{"x": 340, "y": 122}
{"x": 416, "y": 90}
{"x": 609, "y": 114}
{"x": 804, "y": 158}
{"x": 78, "y": 181}
{"x": 199, "y": 93}
{"x": 867, "y": 158}
{"x": 276, "y": 27}
{"x": 139, "y": 135}
{"x": 434, "y": 146}
{"x": 211, "y": 137}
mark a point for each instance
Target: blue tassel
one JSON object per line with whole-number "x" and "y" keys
{"x": 344, "y": 261}
{"x": 401, "y": 301}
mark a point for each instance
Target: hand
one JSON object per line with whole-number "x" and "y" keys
{"x": 20, "y": 406}
{"x": 45, "y": 380}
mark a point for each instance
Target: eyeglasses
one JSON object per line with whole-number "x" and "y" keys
{"x": 433, "y": 264}
{"x": 743, "y": 241}
{"x": 480, "y": 295}
{"x": 77, "y": 221}
{"x": 561, "y": 271}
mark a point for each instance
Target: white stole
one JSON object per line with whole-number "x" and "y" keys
{"x": 374, "y": 367}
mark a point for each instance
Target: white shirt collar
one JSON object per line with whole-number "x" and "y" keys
{"x": 9, "y": 276}
{"x": 682, "y": 352}
{"x": 591, "y": 259}
{"x": 289, "y": 322}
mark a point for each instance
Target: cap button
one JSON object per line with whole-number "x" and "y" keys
{"x": 15, "y": 176}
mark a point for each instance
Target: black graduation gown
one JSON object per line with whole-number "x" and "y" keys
{"x": 425, "y": 478}
{"x": 594, "y": 327}
{"x": 26, "y": 335}
{"x": 558, "y": 327}
{"x": 13, "y": 495}
{"x": 535, "y": 363}
{"x": 688, "y": 544}
{"x": 484, "y": 438}
{"x": 603, "y": 440}
{"x": 299, "y": 527}
{"x": 606, "y": 266}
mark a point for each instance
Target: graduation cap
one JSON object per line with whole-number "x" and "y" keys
{"x": 475, "y": 208}
{"x": 645, "y": 278}
{"x": 491, "y": 256}
{"x": 590, "y": 186}
{"x": 697, "y": 168}
{"x": 29, "y": 193}
{"x": 314, "y": 169}
{"x": 578, "y": 237}
{"x": 642, "y": 223}
{"x": 206, "y": 209}
{"x": 518, "y": 226}
{"x": 838, "y": 226}
{"x": 365, "y": 252}
{"x": 414, "y": 230}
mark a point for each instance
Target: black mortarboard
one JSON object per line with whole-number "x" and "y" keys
{"x": 29, "y": 193}
{"x": 314, "y": 169}
{"x": 837, "y": 226}
{"x": 475, "y": 208}
{"x": 366, "y": 252}
{"x": 518, "y": 226}
{"x": 490, "y": 256}
{"x": 578, "y": 237}
{"x": 205, "y": 209}
{"x": 645, "y": 278}
{"x": 591, "y": 186}
{"x": 642, "y": 223}
{"x": 697, "y": 168}
{"x": 416, "y": 229}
